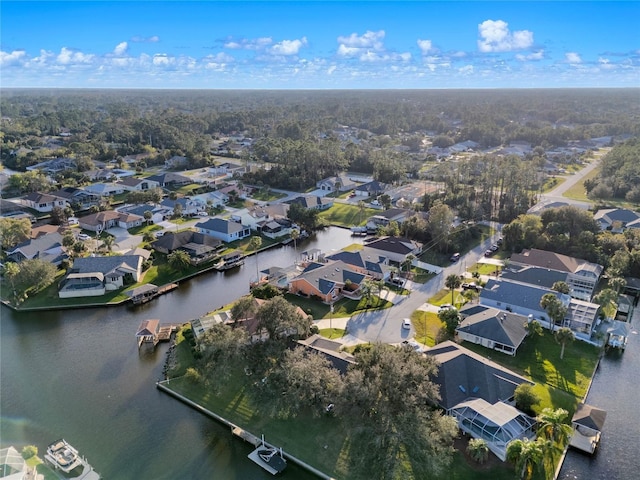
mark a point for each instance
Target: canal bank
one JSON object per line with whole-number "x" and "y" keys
{"x": 235, "y": 429}
{"x": 614, "y": 388}
{"x": 78, "y": 374}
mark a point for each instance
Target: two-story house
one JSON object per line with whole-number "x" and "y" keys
{"x": 224, "y": 230}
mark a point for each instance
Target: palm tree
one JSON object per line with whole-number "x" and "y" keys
{"x": 361, "y": 207}
{"x": 478, "y": 449}
{"x": 295, "y": 234}
{"x": 178, "y": 259}
{"x": 550, "y": 451}
{"x": 254, "y": 244}
{"x": 148, "y": 216}
{"x": 554, "y": 308}
{"x": 617, "y": 284}
{"x": 552, "y": 426}
{"x": 366, "y": 289}
{"x": 534, "y": 329}
{"x": 108, "y": 242}
{"x": 607, "y": 299}
{"x": 563, "y": 336}
{"x": 526, "y": 455}
{"x": 452, "y": 282}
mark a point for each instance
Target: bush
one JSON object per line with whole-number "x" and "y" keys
{"x": 29, "y": 451}
{"x": 526, "y": 398}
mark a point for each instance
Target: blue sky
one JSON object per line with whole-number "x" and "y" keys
{"x": 330, "y": 44}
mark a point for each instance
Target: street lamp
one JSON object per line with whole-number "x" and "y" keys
{"x": 331, "y": 316}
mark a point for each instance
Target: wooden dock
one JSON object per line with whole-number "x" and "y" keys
{"x": 246, "y": 436}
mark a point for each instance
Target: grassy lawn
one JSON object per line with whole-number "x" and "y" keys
{"x": 342, "y": 308}
{"x": 561, "y": 383}
{"x": 332, "y": 333}
{"x": 346, "y": 215}
{"x": 577, "y": 192}
{"x": 354, "y": 247}
{"x": 322, "y": 442}
{"x": 427, "y": 326}
{"x": 551, "y": 183}
{"x": 484, "y": 268}
{"x": 187, "y": 189}
{"x": 421, "y": 276}
{"x": 142, "y": 229}
{"x": 267, "y": 196}
{"x": 442, "y": 297}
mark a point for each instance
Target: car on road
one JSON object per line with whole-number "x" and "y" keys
{"x": 488, "y": 253}
{"x": 406, "y": 324}
{"x": 455, "y": 257}
{"x": 471, "y": 286}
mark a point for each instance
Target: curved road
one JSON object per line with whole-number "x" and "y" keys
{"x": 385, "y": 326}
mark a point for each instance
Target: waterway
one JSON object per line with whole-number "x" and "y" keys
{"x": 78, "y": 374}
{"x": 616, "y": 389}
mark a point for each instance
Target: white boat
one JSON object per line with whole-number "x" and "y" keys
{"x": 269, "y": 458}
{"x": 63, "y": 456}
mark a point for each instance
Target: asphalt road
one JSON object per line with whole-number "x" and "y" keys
{"x": 385, "y": 326}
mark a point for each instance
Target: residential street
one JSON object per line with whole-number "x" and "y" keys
{"x": 385, "y": 326}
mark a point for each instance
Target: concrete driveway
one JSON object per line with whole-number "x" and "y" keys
{"x": 124, "y": 240}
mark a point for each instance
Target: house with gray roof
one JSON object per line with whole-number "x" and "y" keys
{"x": 537, "y": 276}
{"x": 492, "y": 328}
{"x": 313, "y": 201}
{"x": 365, "y": 262}
{"x": 479, "y": 393}
{"x": 617, "y": 220}
{"x": 170, "y": 179}
{"x": 341, "y": 183}
{"x": 199, "y": 246}
{"x": 582, "y": 276}
{"x": 395, "y": 249}
{"x": 47, "y": 247}
{"x": 327, "y": 281}
{"x": 370, "y": 189}
{"x": 101, "y": 221}
{"x": 132, "y": 184}
{"x": 330, "y": 350}
{"x": 94, "y": 276}
{"x": 523, "y": 299}
{"x": 223, "y": 229}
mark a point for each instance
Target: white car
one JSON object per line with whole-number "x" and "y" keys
{"x": 73, "y": 221}
{"x": 446, "y": 306}
{"x": 83, "y": 236}
{"x": 406, "y": 324}
{"x": 159, "y": 234}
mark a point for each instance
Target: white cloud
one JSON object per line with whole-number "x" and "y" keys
{"x": 539, "y": 55}
{"x": 288, "y": 47}
{"x": 12, "y": 58}
{"x": 121, "y": 48}
{"x": 368, "y": 40}
{"x": 139, "y": 39}
{"x": 425, "y": 46}
{"x": 68, "y": 56}
{"x": 249, "y": 43}
{"x": 466, "y": 70}
{"x": 572, "y": 58}
{"x": 331, "y": 69}
{"x": 162, "y": 59}
{"x": 495, "y": 36}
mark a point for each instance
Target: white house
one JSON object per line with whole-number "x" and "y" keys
{"x": 224, "y": 230}
{"x": 94, "y": 276}
{"x": 43, "y": 202}
{"x": 131, "y": 184}
{"x": 341, "y": 183}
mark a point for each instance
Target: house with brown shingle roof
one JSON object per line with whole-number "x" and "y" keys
{"x": 100, "y": 221}
{"x": 582, "y": 276}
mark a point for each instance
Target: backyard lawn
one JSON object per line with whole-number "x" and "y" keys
{"x": 561, "y": 383}
{"x": 427, "y": 326}
{"x": 344, "y": 215}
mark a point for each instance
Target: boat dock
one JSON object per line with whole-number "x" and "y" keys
{"x": 152, "y": 332}
{"x": 148, "y": 292}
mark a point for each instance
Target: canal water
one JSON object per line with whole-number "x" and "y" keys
{"x": 616, "y": 389}
{"x": 78, "y": 375}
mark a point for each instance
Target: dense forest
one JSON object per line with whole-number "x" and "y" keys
{"x": 619, "y": 176}
{"x": 300, "y": 137}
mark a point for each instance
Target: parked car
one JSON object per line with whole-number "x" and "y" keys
{"x": 471, "y": 286}
{"x": 83, "y": 236}
{"x": 488, "y": 253}
{"x": 159, "y": 234}
{"x": 72, "y": 221}
{"x": 446, "y": 306}
{"x": 406, "y": 324}
{"x": 455, "y": 257}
